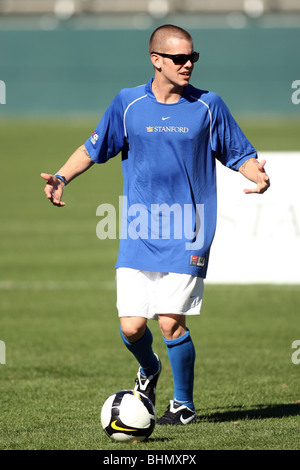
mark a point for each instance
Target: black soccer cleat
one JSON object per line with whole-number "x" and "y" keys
{"x": 177, "y": 414}
{"x": 147, "y": 385}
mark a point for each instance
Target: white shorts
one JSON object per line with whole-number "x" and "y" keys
{"x": 147, "y": 294}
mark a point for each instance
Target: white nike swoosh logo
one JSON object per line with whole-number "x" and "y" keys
{"x": 187, "y": 420}
{"x": 164, "y": 118}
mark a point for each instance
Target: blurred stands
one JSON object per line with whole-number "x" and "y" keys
{"x": 55, "y": 56}
{"x": 96, "y": 7}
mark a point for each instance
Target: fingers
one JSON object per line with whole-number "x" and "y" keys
{"x": 58, "y": 203}
{"x": 53, "y": 190}
{"x": 261, "y": 187}
{"x": 263, "y": 181}
{"x": 253, "y": 191}
{"x": 261, "y": 166}
{"x": 250, "y": 191}
{"x": 48, "y": 177}
{"x": 55, "y": 199}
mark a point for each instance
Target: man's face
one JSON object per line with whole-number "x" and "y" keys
{"x": 177, "y": 75}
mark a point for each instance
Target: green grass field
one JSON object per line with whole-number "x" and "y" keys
{"x": 64, "y": 355}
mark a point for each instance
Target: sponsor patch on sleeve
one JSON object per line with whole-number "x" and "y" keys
{"x": 197, "y": 261}
{"x": 94, "y": 138}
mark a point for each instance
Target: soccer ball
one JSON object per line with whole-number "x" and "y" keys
{"x": 128, "y": 416}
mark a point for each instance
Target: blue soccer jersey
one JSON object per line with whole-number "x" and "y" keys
{"x": 169, "y": 154}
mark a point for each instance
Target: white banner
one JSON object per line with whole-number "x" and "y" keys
{"x": 258, "y": 236}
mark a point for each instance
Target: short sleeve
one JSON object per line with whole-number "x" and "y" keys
{"x": 229, "y": 143}
{"x": 108, "y": 139}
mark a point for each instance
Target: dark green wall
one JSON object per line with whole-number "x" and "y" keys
{"x": 69, "y": 71}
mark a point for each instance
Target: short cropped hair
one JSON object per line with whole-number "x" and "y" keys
{"x": 162, "y": 33}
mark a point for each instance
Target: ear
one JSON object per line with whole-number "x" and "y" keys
{"x": 156, "y": 61}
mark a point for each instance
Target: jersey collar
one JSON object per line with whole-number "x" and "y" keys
{"x": 152, "y": 96}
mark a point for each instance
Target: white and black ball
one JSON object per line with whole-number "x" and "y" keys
{"x": 128, "y": 415}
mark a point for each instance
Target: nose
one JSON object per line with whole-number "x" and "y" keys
{"x": 189, "y": 64}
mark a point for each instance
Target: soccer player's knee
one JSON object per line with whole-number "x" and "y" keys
{"x": 172, "y": 327}
{"x": 133, "y": 329}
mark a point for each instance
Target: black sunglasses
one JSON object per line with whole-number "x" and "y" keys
{"x": 180, "y": 59}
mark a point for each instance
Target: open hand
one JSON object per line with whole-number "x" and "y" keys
{"x": 262, "y": 180}
{"x": 54, "y": 189}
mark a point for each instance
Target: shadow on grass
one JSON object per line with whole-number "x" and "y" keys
{"x": 258, "y": 412}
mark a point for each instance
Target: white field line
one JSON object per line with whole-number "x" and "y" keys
{"x": 56, "y": 285}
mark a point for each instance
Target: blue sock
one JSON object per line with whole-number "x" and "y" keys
{"x": 181, "y": 353}
{"x": 142, "y": 351}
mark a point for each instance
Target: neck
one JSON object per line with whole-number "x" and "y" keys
{"x": 167, "y": 94}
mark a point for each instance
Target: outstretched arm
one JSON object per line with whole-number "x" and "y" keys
{"x": 254, "y": 171}
{"x": 79, "y": 162}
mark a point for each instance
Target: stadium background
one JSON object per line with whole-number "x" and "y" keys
{"x": 60, "y": 61}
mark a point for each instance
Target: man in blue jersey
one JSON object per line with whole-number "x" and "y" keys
{"x": 170, "y": 135}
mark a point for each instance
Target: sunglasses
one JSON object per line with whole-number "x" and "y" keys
{"x": 180, "y": 59}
